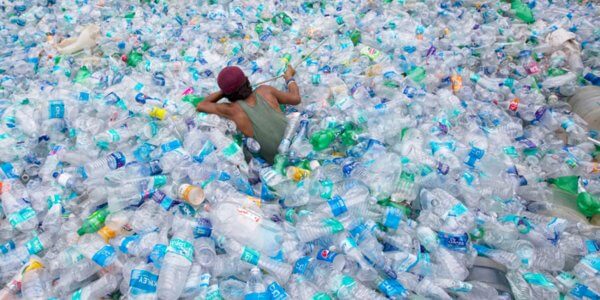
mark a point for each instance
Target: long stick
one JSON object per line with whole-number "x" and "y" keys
{"x": 301, "y": 60}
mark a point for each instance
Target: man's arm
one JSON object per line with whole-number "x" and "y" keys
{"x": 292, "y": 97}
{"x": 210, "y": 106}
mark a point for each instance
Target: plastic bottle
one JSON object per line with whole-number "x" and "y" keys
{"x": 177, "y": 261}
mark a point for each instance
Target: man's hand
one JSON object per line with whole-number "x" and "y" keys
{"x": 289, "y": 72}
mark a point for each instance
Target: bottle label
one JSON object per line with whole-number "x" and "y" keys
{"x": 119, "y": 158}
{"x": 300, "y": 265}
{"x": 182, "y": 247}
{"x": 347, "y": 244}
{"x": 256, "y": 218}
{"x": 162, "y": 199}
{"x": 408, "y": 262}
{"x": 250, "y": 256}
{"x": 34, "y": 246}
{"x": 142, "y": 282}
{"x": 105, "y": 256}
{"x": 204, "y": 280}
{"x": 583, "y": 292}
{"x": 56, "y": 109}
{"x": 231, "y": 150}
{"x": 592, "y": 246}
{"x": 170, "y": 146}
{"x": 127, "y": 241}
{"x": 346, "y": 283}
{"x": 391, "y": 288}
{"x": 337, "y": 205}
{"x": 157, "y": 254}
{"x": 154, "y": 166}
{"x": 538, "y": 279}
{"x": 458, "y": 210}
{"x": 392, "y": 217}
{"x": 454, "y": 242}
{"x": 53, "y": 200}
{"x": 76, "y": 295}
{"x": 481, "y": 250}
{"x": 257, "y": 296}
{"x": 207, "y": 149}
{"x": 592, "y": 261}
{"x": 276, "y": 291}
{"x": 184, "y": 191}
{"x": 114, "y": 135}
{"x": 7, "y": 247}
{"x": 326, "y": 255}
{"x": 566, "y": 279}
{"x": 8, "y": 170}
{"x": 334, "y": 225}
{"x": 203, "y": 228}
{"x": 21, "y": 216}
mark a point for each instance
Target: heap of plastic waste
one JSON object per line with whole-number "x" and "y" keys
{"x": 433, "y": 154}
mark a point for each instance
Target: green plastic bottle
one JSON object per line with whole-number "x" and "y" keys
{"x": 192, "y": 99}
{"x": 522, "y": 11}
{"x": 82, "y": 74}
{"x": 417, "y": 74}
{"x": 93, "y": 222}
{"x": 321, "y": 139}
{"x": 285, "y": 18}
{"x": 355, "y": 37}
{"x": 588, "y": 204}
{"x": 566, "y": 183}
{"x": 134, "y": 58}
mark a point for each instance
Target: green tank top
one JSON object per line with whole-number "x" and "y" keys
{"x": 268, "y": 125}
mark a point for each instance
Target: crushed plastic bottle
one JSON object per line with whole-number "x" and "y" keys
{"x": 434, "y": 154}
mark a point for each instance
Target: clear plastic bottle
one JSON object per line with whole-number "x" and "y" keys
{"x": 177, "y": 261}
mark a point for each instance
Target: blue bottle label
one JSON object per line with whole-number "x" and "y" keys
{"x": 157, "y": 254}
{"x": 203, "y": 228}
{"x": 170, "y": 146}
{"x": 326, "y": 255}
{"x": 142, "y": 282}
{"x": 105, "y": 256}
{"x": 392, "y": 219}
{"x": 21, "y": 216}
{"x": 206, "y": 150}
{"x": 276, "y": 291}
{"x": 119, "y": 158}
{"x": 7, "y": 247}
{"x": 127, "y": 242}
{"x": 154, "y": 167}
{"x": 76, "y": 295}
{"x": 257, "y": 296}
{"x": 8, "y": 170}
{"x": 250, "y": 256}
{"x": 391, "y": 288}
{"x": 56, "y": 109}
{"x": 581, "y": 291}
{"x": 454, "y": 242}
{"x": 34, "y": 246}
{"x": 300, "y": 265}
{"x": 337, "y": 205}
{"x": 538, "y": 279}
{"x": 592, "y": 261}
{"x": 592, "y": 246}
{"x": 53, "y": 200}
{"x": 182, "y": 247}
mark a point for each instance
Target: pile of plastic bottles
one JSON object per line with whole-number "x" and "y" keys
{"x": 429, "y": 156}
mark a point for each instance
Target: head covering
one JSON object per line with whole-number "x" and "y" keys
{"x": 230, "y": 79}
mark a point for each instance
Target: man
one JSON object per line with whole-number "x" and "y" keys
{"x": 256, "y": 113}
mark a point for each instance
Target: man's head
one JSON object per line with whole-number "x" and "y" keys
{"x": 234, "y": 84}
